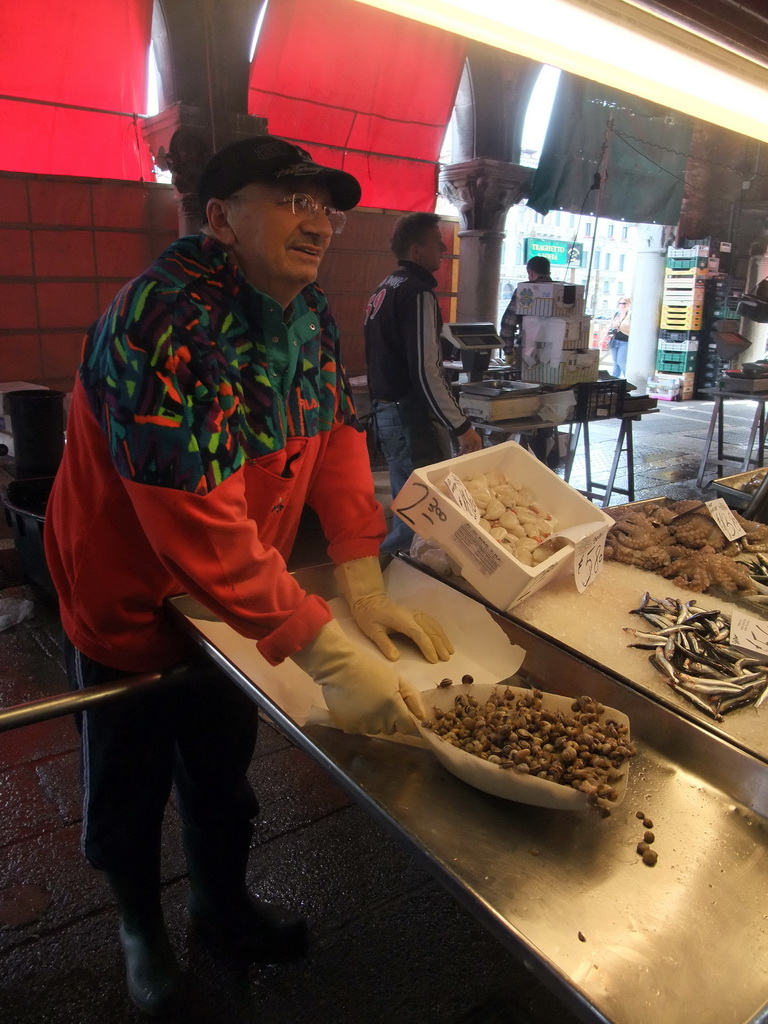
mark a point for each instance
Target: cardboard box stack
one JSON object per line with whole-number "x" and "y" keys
{"x": 554, "y": 335}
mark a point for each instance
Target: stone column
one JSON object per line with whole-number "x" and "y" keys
{"x": 757, "y": 271}
{"x": 180, "y": 138}
{"x": 647, "y": 290}
{"x": 483, "y": 191}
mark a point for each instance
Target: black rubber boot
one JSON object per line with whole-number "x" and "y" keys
{"x": 222, "y": 911}
{"x": 152, "y": 971}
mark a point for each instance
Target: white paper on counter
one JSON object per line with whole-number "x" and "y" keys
{"x": 482, "y": 649}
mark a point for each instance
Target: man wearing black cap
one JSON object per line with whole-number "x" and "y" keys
{"x": 210, "y": 406}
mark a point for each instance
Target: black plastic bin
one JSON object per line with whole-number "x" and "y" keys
{"x": 600, "y": 399}
{"x": 37, "y": 425}
{"x": 25, "y": 503}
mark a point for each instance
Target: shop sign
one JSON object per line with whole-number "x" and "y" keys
{"x": 559, "y": 253}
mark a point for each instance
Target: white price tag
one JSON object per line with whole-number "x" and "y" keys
{"x": 588, "y": 559}
{"x": 749, "y": 633}
{"x": 725, "y": 519}
{"x": 461, "y": 496}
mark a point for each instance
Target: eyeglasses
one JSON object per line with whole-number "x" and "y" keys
{"x": 303, "y": 205}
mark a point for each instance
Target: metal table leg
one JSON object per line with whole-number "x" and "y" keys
{"x": 630, "y": 459}
{"x": 757, "y": 420}
{"x": 574, "y": 433}
{"x": 587, "y": 459}
{"x": 715, "y": 420}
{"x": 757, "y": 431}
{"x": 625, "y": 434}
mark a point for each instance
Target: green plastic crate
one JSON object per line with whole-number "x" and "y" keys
{"x": 676, "y": 362}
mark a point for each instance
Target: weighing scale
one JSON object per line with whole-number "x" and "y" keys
{"x": 475, "y": 342}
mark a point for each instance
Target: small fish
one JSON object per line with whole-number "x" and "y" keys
{"x": 697, "y": 702}
{"x": 663, "y": 664}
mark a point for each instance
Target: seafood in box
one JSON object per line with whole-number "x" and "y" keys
{"x": 427, "y": 504}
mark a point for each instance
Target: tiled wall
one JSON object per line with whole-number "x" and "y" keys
{"x": 66, "y": 246}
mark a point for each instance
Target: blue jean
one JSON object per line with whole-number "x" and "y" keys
{"x": 408, "y": 438}
{"x": 619, "y": 353}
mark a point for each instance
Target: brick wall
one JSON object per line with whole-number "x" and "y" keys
{"x": 68, "y": 244}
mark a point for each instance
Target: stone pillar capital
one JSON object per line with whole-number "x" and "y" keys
{"x": 483, "y": 190}
{"x": 182, "y": 140}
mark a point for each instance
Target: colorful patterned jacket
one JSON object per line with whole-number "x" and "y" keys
{"x": 200, "y": 425}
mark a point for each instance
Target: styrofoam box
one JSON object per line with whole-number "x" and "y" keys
{"x": 683, "y": 379}
{"x": 576, "y": 366}
{"x": 426, "y": 505}
{"x": 549, "y": 298}
{"x": 563, "y": 332}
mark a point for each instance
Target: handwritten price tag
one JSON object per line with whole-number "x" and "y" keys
{"x": 725, "y": 519}
{"x": 588, "y": 559}
{"x": 749, "y": 633}
{"x": 461, "y": 496}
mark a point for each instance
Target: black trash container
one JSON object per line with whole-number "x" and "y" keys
{"x": 37, "y": 426}
{"x": 25, "y": 503}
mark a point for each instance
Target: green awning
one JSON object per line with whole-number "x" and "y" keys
{"x": 647, "y": 147}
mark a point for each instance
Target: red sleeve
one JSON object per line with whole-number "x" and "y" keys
{"x": 208, "y": 543}
{"x": 342, "y": 494}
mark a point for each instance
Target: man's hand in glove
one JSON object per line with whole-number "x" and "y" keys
{"x": 362, "y": 584}
{"x": 362, "y": 693}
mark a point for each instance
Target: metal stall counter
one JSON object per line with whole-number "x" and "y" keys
{"x": 565, "y": 891}
{"x": 507, "y": 409}
{"x": 736, "y": 390}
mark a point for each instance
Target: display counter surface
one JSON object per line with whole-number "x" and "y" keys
{"x": 593, "y": 624}
{"x": 567, "y": 892}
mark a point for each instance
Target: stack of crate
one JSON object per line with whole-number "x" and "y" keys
{"x": 721, "y": 302}
{"x": 682, "y": 311}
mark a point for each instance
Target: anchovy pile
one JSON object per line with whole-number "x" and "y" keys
{"x": 692, "y": 650}
{"x": 757, "y": 566}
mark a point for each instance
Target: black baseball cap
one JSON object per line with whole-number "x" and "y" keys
{"x": 265, "y": 158}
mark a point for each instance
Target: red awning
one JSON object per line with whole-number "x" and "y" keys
{"x": 362, "y": 89}
{"x": 72, "y": 74}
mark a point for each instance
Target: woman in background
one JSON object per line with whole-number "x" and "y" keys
{"x": 618, "y": 335}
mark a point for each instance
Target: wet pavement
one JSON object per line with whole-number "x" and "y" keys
{"x": 388, "y": 943}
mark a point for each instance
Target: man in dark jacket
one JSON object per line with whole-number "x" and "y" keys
{"x": 415, "y": 413}
{"x": 544, "y": 441}
{"x": 538, "y": 269}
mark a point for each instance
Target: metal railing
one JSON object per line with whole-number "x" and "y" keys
{"x": 81, "y": 700}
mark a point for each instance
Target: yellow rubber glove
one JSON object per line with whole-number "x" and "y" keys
{"x": 361, "y": 583}
{"x": 362, "y": 694}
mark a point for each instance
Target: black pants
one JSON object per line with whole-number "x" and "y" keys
{"x": 199, "y": 735}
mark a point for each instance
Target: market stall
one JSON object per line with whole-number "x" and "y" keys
{"x": 615, "y": 904}
{"x": 566, "y": 891}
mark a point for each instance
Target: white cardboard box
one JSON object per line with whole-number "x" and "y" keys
{"x": 572, "y": 367}
{"x": 426, "y": 505}
{"x": 549, "y": 298}
{"x": 553, "y": 334}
